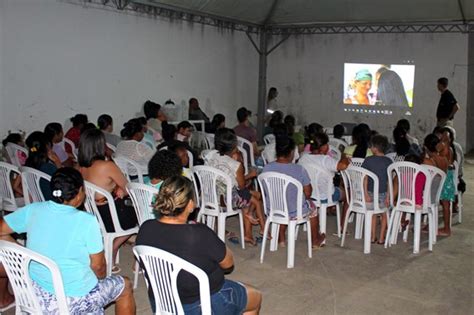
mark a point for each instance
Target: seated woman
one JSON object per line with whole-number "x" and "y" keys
{"x": 360, "y": 142}
{"x": 218, "y": 122}
{"x": 402, "y": 145}
{"x": 56, "y": 229}
{"x": 74, "y": 133}
{"x": 54, "y": 133}
{"x": 42, "y": 158}
{"x": 285, "y": 150}
{"x": 132, "y": 147}
{"x": 155, "y": 118}
{"x": 199, "y": 245}
{"x": 226, "y": 158}
{"x": 105, "y": 174}
{"x": 106, "y": 124}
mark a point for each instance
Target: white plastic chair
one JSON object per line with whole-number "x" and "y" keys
{"x": 10, "y": 203}
{"x": 248, "y": 147}
{"x": 210, "y": 138}
{"x": 334, "y": 153}
{"x": 354, "y": 179}
{"x": 72, "y": 145}
{"x": 406, "y": 173}
{"x": 438, "y": 178}
{"x": 209, "y": 178}
{"x": 111, "y": 147}
{"x": 129, "y": 168}
{"x": 16, "y": 261}
{"x": 357, "y": 162}
{"x": 13, "y": 150}
{"x": 91, "y": 207}
{"x": 315, "y": 174}
{"x": 274, "y": 188}
{"x": 142, "y": 197}
{"x": 162, "y": 269}
{"x": 270, "y": 138}
{"x": 269, "y": 154}
{"x": 337, "y": 143}
{"x": 30, "y": 180}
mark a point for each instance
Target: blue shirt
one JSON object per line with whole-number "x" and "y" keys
{"x": 297, "y": 172}
{"x": 65, "y": 235}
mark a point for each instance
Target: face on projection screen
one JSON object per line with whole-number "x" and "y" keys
{"x": 379, "y": 84}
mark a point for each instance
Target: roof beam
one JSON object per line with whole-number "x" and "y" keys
{"x": 463, "y": 16}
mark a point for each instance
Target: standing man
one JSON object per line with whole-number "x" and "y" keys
{"x": 448, "y": 106}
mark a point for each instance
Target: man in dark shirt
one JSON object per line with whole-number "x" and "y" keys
{"x": 448, "y": 106}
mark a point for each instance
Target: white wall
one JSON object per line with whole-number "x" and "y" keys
{"x": 308, "y": 71}
{"x": 59, "y": 59}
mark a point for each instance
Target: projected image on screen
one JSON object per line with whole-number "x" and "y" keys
{"x": 379, "y": 84}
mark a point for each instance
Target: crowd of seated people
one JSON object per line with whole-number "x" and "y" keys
{"x": 161, "y": 150}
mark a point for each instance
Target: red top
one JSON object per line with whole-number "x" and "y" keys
{"x": 73, "y": 134}
{"x": 419, "y": 187}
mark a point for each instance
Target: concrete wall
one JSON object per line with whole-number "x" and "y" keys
{"x": 308, "y": 71}
{"x": 470, "y": 96}
{"x": 59, "y": 59}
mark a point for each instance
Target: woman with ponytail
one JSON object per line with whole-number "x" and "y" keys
{"x": 360, "y": 142}
{"x": 73, "y": 240}
{"x": 199, "y": 245}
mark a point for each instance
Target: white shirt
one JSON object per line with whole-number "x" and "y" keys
{"x": 325, "y": 162}
{"x": 136, "y": 151}
{"x": 225, "y": 164}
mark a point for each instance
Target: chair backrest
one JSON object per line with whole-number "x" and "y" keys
{"x": 337, "y": 143}
{"x": 274, "y": 187}
{"x": 6, "y": 188}
{"x": 92, "y": 191}
{"x": 210, "y": 140}
{"x": 248, "y": 147}
{"x": 68, "y": 142}
{"x": 334, "y": 153}
{"x": 13, "y": 151}
{"x": 30, "y": 180}
{"x": 269, "y": 139}
{"x": 406, "y": 173}
{"x": 355, "y": 177}
{"x": 16, "y": 261}
{"x": 357, "y": 161}
{"x": 399, "y": 158}
{"x": 111, "y": 147}
{"x": 162, "y": 269}
{"x": 456, "y": 176}
{"x": 315, "y": 174}
{"x": 269, "y": 154}
{"x": 129, "y": 167}
{"x": 209, "y": 178}
{"x": 437, "y": 182}
{"x": 245, "y": 159}
{"x": 142, "y": 197}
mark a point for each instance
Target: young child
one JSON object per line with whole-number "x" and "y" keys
{"x": 184, "y": 131}
{"x": 162, "y": 165}
{"x": 54, "y": 134}
{"x": 378, "y": 164}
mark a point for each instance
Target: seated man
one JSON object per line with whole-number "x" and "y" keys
{"x": 319, "y": 149}
{"x": 244, "y": 130}
{"x": 73, "y": 240}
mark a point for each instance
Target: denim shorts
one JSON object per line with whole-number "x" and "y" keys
{"x": 382, "y": 197}
{"x": 231, "y": 299}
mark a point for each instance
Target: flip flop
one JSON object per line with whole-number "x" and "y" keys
{"x": 116, "y": 269}
{"x": 233, "y": 239}
{"x": 7, "y": 307}
{"x": 374, "y": 241}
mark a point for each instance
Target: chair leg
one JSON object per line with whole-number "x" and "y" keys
{"x": 264, "y": 240}
{"x": 291, "y": 245}
{"x": 417, "y": 232}
{"x": 338, "y": 219}
{"x": 367, "y": 232}
{"x": 405, "y": 234}
{"x": 396, "y": 227}
{"x": 344, "y": 230}
{"x": 359, "y": 226}
{"x": 135, "y": 276}
{"x": 108, "y": 245}
{"x": 322, "y": 220}
{"x": 310, "y": 240}
{"x": 221, "y": 226}
{"x": 460, "y": 208}
{"x": 274, "y": 241}
{"x": 242, "y": 236}
{"x": 430, "y": 232}
{"x": 451, "y": 204}
{"x": 297, "y": 231}
{"x": 390, "y": 229}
